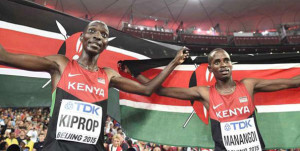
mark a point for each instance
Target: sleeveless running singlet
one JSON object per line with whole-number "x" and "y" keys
{"x": 233, "y": 122}
{"x": 79, "y": 107}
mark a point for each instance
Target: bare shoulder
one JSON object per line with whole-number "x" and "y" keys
{"x": 111, "y": 72}
{"x": 197, "y": 91}
{"x": 249, "y": 82}
{"x": 60, "y": 60}
{"x": 204, "y": 92}
{"x": 203, "y": 88}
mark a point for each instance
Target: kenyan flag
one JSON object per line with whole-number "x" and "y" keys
{"x": 33, "y": 29}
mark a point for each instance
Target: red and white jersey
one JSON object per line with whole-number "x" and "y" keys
{"x": 233, "y": 122}
{"x": 232, "y": 107}
{"x": 79, "y": 109}
{"x": 86, "y": 85}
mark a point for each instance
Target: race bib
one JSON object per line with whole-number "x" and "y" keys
{"x": 79, "y": 122}
{"x": 240, "y": 135}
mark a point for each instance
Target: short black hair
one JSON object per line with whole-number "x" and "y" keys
{"x": 210, "y": 55}
{"x": 99, "y": 21}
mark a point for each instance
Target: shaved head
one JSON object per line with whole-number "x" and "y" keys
{"x": 212, "y": 53}
{"x": 95, "y": 22}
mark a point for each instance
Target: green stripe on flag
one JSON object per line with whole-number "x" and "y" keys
{"x": 19, "y": 91}
{"x": 280, "y": 130}
{"x": 165, "y": 127}
{"x": 113, "y": 106}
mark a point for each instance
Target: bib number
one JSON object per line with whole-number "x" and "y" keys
{"x": 240, "y": 135}
{"x": 79, "y": 122}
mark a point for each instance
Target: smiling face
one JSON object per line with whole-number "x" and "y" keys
{"x": 220, "y": 64}
{"x": 95, "y": 37}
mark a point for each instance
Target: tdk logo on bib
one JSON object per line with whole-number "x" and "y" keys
{"x": 87, "y": 108}
{"x": 238, "y": 125}
{"x": 82, "y": 107}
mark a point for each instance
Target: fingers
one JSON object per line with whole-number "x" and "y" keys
{"x": 185, "y": 49}
{"x": 186, "y": 56}
{"x": 186, "y": 52}
{"x": 121, "y": 65}
{"x": 182, "y": 55}
{"x": 126, "y": 69}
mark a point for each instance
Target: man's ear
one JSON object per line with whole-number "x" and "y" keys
{"x": 81, "y": 37}
{"x": 209, "y": 68}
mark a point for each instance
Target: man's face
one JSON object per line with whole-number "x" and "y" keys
{"x": 221, "y": 65}
{"x": 95, "y": 37}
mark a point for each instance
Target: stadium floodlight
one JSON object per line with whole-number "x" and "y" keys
{"x": 265, "y": 32}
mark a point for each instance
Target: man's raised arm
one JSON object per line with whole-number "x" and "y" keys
{"x": 148, "y": 88}
{"x": 270, "y": 85}
{"x": 33, "y": 63}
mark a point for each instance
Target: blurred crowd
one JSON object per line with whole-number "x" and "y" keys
{"x": 26, "y": 128}
{"x": 116, "y": 140}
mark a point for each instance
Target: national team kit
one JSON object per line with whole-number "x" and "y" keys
{"x": 79, "y": 109}
{"x": 233, "y": 120}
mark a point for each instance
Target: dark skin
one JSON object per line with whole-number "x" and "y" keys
{"x": 94, "y": 40}
{"x": 220, "y": 65}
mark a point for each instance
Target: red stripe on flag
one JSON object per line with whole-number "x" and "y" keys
{"x": 18, "y": 42}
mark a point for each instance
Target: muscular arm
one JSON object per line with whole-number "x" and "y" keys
{"x": 148, "y": 88}
{"x": 193, "y": 93}
{"x": 52, "y": 64}
{"x": 266, "y": 85}
{"x": 29, "y": 62}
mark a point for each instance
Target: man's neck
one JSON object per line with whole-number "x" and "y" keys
{"x": 225, "y": 83}
{"x": 225, "y": 87}
{"x": 87, "y": 62}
